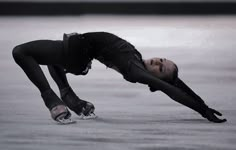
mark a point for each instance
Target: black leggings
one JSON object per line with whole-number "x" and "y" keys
{"x": 41, "y": 52}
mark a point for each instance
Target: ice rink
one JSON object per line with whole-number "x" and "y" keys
{"x": 129, "y": 116}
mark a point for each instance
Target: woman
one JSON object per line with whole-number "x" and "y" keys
{"x": 74, "y": 55}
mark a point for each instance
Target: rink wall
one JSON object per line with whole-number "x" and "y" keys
{"x": 79, "y": 8}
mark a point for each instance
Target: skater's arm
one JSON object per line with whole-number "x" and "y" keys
{"x": 139, "y": 74}
{"x": 181, "y": 85}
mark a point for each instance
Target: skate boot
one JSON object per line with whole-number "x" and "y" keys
{"x": 84, "y": 109}
{"x": 86, "y": 112}
{"x": 61, "y": 114}
{"x": 57, "y": 108}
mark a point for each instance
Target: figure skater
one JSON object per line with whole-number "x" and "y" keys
{"x": 75, "y": 53}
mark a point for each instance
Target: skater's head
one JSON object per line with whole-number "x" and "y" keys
{"x": 162, "y": 68}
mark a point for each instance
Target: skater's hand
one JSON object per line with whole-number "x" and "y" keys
{"x": 211, "y": 115}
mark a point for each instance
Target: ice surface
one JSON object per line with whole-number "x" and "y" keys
{"x": 129, "y": 116}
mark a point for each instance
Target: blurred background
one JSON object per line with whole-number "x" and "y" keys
{"x": 198, "y": 35}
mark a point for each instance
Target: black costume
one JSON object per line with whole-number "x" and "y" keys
{"x": 109, "y": 49}
{"x": 74, "y": 55}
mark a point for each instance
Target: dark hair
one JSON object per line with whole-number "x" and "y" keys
{"x": 175, "y": 73}
{"x": 174, "y": 76}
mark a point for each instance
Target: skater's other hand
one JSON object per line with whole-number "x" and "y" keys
{"x": 212, "y": 115}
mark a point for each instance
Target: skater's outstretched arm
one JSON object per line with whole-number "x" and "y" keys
{"x": 139, "y": 74}
{"x": 210, "y": 113}
{"x": 181, "y": 85}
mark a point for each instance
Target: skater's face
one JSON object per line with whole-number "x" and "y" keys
{"x": 161, "y": 67}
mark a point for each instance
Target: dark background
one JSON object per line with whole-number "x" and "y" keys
{"x": 78, "y": 7}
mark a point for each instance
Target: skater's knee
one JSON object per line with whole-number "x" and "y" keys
{"x": 18, "y": 53}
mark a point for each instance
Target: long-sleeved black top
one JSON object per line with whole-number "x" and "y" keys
{"x": 108, "y": 48}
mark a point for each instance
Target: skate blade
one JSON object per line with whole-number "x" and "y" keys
{"x": 88, "y": 117}
{"x": 64, "y": 121}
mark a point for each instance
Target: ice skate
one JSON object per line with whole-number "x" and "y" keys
{"x": 87, "y": 112}
{"x": 84, "y": 109}
{"x": 61, "y": 114}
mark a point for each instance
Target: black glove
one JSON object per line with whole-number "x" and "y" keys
{"x": 211, "y": 115}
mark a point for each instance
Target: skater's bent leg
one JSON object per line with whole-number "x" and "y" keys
{"x": 72, "y": 101}
{"x": 30, "y": 55}
{"x": 59, "y": 76}
{"x": 32, "y": 69}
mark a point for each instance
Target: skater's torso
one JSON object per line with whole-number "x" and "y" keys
{"x": 108, "y": 48}
{"x": 100, "y": 40}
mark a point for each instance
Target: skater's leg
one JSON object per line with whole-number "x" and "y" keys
{"x": 79, "y": 106}
{"x": 30, "y": 55}
{"x": 66, "y": 92}
{"x": 59, "y": 76}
